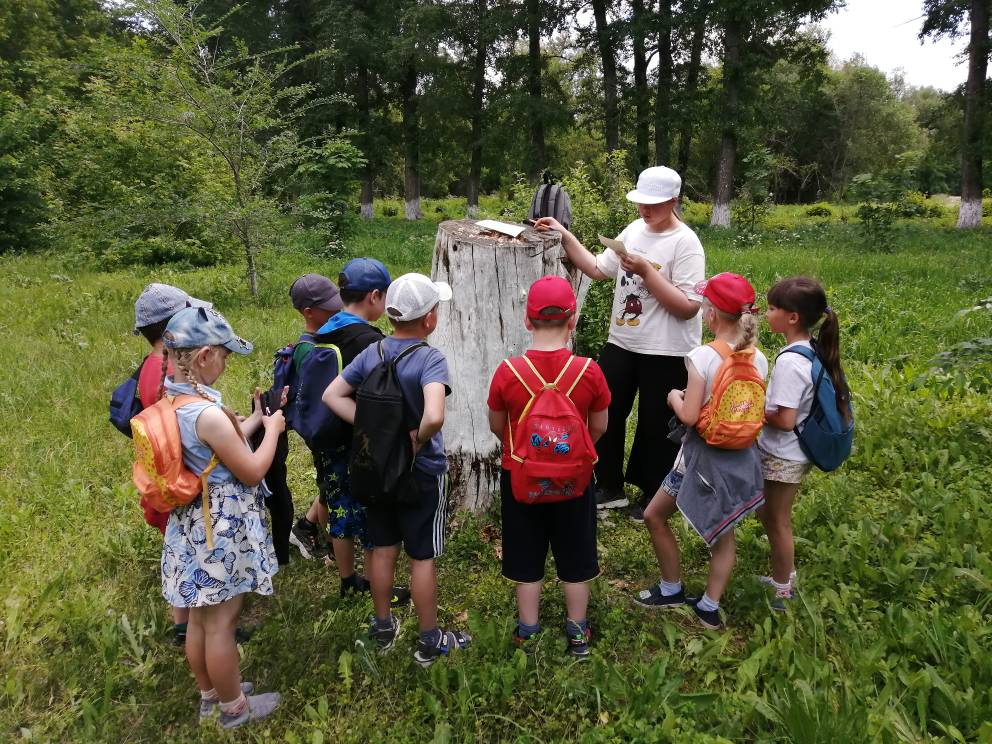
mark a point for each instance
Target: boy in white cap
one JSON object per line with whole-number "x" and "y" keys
{"x": 655, "y": 324}
{"x": 418, "y": 523}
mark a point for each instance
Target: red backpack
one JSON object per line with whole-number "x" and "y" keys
{"x": 553, "y": 454}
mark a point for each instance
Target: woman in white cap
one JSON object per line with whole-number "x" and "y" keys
{"x": 654, "y": 324}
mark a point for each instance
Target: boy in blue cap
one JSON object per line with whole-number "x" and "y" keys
{"x": 362, "y": 284}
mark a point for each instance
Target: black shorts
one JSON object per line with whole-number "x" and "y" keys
{"x": 419, "y": 525}
{"x": 567, "y": 527}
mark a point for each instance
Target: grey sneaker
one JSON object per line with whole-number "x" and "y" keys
{"x": 258, "y": 707}
{"x": 210, "y": 707}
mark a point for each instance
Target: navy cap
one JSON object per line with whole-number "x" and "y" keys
{"x": 314, "y": 290}
{"x": 364, "y": 275}
{"x": 202, "y": 326}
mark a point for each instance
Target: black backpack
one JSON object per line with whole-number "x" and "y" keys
{"x": 381, "y": 462}
{"x": 125, "y": 403}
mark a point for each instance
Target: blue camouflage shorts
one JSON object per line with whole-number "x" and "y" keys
{"x": 345, "y": 516}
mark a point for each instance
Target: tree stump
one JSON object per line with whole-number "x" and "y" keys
{"x": 480, "y": 327}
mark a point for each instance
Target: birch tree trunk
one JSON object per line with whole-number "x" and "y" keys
{"x": 970, "y": 213}
{"x": 481, "y": 326}
{"x": 730, "y": 113}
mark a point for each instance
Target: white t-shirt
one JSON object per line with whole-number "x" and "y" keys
{"x": 640, "y": 323}
{"x": 706, "y": 361}
{"x": 791, "y": 386}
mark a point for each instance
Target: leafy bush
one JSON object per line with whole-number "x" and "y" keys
{"x": 987, "y": 207}
{"x": 915, "y": 204}
{"x": 819, "y": 210}
{"x": 877, "y": 221}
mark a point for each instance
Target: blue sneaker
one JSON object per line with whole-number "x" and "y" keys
{"x": 578, "y": 641}
{"x": 447, "y": 642}
{"x": 384, "y": 637}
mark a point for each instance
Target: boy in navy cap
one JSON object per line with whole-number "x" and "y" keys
{"x": 315, "y": 298}
{"x": 363, "y": 283}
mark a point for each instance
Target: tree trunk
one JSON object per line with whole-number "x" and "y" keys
{"x": 970, "y": 213}
{"x": 608, "y": 58}
{"x": 691, "y": 83}
{"x": 479, "y": 328}
{"x": 728, "y": 141}
{"x": 478, "y": 99}
{"x": 411, "y": 143}
{"x": 663, "y": 96}
{"x": 642, "y": 152}
{"x": 539, "y": 154}
{"x": 364, "y": 128}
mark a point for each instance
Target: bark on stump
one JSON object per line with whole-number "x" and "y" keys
{"x": 480, "y": 327}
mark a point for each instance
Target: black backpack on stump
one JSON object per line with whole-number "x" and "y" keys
{"x": 381, "y": 464}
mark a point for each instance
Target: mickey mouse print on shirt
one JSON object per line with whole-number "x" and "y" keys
{"x": 631, "y": 304}
{"x": 641, "y": 324}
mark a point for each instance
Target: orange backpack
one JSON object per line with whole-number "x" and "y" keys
{"x": 159, "y": 473}
{"x": 735, "y": 412}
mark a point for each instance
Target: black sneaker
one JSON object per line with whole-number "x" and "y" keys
{"x": 306, "y": 539}
{"x": 636, "y": 512}
{"x": 611, "y": 498}
{"x": 179, "y": 634}
{"x": 652, "y": 598}
{"x": 448, "y": 641}
{"x": 384, "y": 637}
{"x": 241, "y": 635}
{"x": 356, "y": 584}
{"x": 400, "y": 598}
{"x": 709, "y": 619}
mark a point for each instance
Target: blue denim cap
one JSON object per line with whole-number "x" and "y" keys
{"x": 158, "y": 302}
{"x": 364, "y": 275}
{"x": 203, "y": 326}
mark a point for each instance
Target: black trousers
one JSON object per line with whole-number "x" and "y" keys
{"x": 629, "y": 374}
{"x": 280, "y": 502}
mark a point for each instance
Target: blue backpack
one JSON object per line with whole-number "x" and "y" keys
{"x": 125, "y": 403}
{"x": 824, "y": 436}
{"x": 282, "y": 376}
{"x": 312, "y": 419}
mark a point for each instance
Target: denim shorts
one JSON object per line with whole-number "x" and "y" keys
{"x": 672, "y": 483}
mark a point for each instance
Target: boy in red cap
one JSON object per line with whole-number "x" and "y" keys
{"x": 568, "y": 527}
{"x": 714, "y": 484}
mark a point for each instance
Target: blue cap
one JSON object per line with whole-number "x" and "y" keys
{"x": 364, "y": 275}
{"x": 202, "y": 326}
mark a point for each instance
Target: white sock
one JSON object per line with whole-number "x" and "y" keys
{"x": 707, "y": 604}
{"x": 782, "y": 587}
{"x": 669, "y": 588}
{"x": 209, "y": 695}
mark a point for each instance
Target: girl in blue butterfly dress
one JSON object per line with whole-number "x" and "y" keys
{"x": 211, "y": 576}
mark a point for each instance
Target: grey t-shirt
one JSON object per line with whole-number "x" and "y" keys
{"x": 415, "y": 370}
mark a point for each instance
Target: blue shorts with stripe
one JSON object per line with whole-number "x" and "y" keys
{"x": 420, "y": 524}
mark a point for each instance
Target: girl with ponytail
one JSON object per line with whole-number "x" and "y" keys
{"x": 797, "y": 309}
{"x": 713, "y": 487}
{"x": 211, "y": 577}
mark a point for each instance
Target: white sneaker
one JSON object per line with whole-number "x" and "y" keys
{"x": 258, "y": 707}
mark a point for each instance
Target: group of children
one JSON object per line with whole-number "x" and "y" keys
{"x": 208, "y": 566}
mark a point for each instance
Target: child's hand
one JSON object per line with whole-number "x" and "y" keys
{"x": 675, "y": 395}
{"x": 635, "y": 264}
{"x": 274, "y": 422}
{"x": 414, "y": 441}
{"x": 544, "y": 224}
{"x": 284, "y": 397}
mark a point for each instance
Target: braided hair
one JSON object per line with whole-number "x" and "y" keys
{"x": 183, "y": 361}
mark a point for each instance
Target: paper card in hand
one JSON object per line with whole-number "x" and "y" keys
{"x": 614, "y": 245}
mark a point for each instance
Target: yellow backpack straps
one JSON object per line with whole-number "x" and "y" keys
{"x": 208, "y": 520}
{"x": 581, "y": 373}
{"x": 537, "y": 374}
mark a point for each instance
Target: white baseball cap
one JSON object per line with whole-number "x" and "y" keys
{"x": 412, "y": 296}
{"x": 656, "y": 185}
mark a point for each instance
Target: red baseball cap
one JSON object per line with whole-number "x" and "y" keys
{"x": 728, "y": 292}
{"x": 550, "y": 291}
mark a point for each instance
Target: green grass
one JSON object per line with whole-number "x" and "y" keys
{"x": 890, "y": 641}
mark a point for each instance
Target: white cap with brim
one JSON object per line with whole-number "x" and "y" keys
{"x": 656, "y": 185}
{"x": 412, "y": 296}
